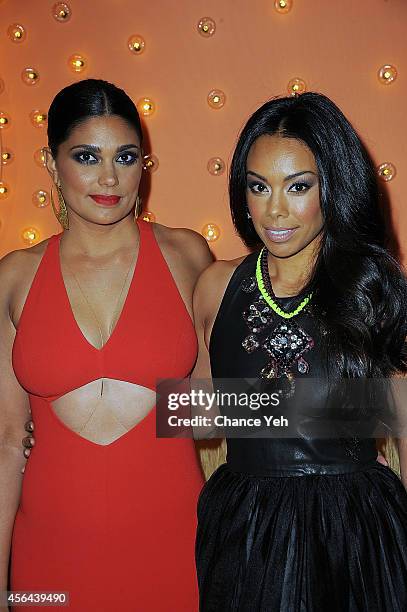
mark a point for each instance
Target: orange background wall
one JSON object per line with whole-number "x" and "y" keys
{"x": 336, "y": 47}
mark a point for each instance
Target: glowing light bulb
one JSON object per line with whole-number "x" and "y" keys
{"x": 148, "y": 216}
{"x": 16, "y": 32}
{"x": 211, "y": 232}
{"x": 77, "y": 63}
{"x": 30, "y": 76}
{"x": 386, "y": 171}
{"x": 146, "y": 107}
{"x": 216, "y": 166}
{"x": 206, "y": 27}
{"x": 4, "y": 121}
{"x": 216, "y": 98}
{"x": 30, "y": 235}
{"x": 296, "y": 86}
{"x": 283, "y": 6}
{"x": 4, "y": 190}
{"x": 7, "y": 157}
{"x": 61, "y": 12}
{"x": 39, "y": 158}
{"x": 387, "y": 74}
{"x": 40, "y": 198}
{"x": 136, "y": 44}
{"x": 38, "y": 118}
{"x": 150, "y": 162}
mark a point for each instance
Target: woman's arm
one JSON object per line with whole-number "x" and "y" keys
{"x": 14, "y": 412}
{"x": 207, "y": 297}
{"x": 201, "y": 377}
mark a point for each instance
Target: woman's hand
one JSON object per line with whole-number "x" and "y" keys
{"x": 28, "y": 442}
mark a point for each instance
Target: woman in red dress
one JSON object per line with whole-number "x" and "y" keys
{"x": 90, "y": 319}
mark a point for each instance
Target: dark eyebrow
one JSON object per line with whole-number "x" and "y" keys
{"x": 127, "y": 146}
{"x": 86, "y": 146}
{"x": 291, "y": 176}
{"x": 287, "y": 178}
{"x": 259, "y": 176}
{"x": 97, "y": 149}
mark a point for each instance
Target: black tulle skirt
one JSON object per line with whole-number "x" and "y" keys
{"x": 313, "y": 543}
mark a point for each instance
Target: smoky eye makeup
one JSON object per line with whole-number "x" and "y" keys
{"x": 300, "y": 186}
{"x": 257, "y": 184}
{"x": 87, "y": 157}
{"x": 84, "y": 157}
{"x": 131, "y": 156}
{"x": 256, "y": 187}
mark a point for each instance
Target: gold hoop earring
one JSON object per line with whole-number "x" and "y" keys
{"x": 62, "y": 213}
{"x": 138, "y": 207}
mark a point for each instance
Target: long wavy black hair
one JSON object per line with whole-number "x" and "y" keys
{"x": 360, "y": 291}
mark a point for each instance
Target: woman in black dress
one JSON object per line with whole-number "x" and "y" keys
{"x": 303, "y": 524}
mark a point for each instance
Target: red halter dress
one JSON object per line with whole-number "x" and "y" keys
{"x": 113, "y": 525}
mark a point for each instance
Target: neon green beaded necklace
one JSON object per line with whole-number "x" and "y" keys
{"x": 267, "y": 297}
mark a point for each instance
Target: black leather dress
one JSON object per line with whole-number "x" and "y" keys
{"x": 295, "y": 524}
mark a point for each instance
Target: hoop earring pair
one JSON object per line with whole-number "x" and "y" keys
{"x": 62, "y": 213}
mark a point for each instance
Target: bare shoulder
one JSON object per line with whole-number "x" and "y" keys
{"x": 211, "y": 286}
{"x": 17, "y": 270}
{"x": 21, "y": 259}
{"x": 219, "y": 272}
{"x": 187, "y": 243}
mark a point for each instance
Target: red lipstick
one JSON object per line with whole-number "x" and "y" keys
{"x": 105, "y": 200}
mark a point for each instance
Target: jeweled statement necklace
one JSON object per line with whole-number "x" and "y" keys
{"x": 285, "y": 342}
